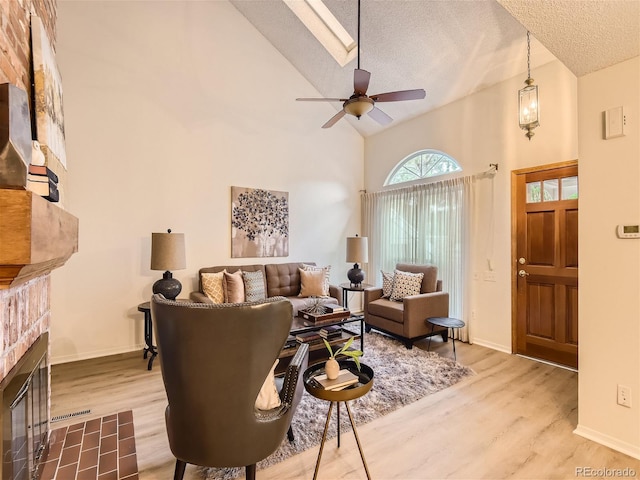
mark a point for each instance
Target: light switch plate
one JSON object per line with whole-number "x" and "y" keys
{"x": 614, "y": 123}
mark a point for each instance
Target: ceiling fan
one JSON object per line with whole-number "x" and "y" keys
{"x": 360, "y": 103}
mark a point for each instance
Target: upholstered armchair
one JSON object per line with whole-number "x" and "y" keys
{"x": 405, "y": 318}
{"x": 215, "y": 359}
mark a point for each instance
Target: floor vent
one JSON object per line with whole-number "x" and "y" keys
{"x": 59, "y": 418}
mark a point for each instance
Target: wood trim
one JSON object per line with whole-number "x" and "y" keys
{"x": 515, "y": 174}
{"x": 36, "y": 236}
{"x": 550, "y": 166}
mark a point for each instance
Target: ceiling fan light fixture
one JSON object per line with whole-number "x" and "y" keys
{"x": 358, "y": 106}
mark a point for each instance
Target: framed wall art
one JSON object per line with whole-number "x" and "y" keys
{"x": 259, "y": 223}
{"x": 48, "y": 96}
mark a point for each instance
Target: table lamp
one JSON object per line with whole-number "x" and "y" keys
{"x": 167, "y": 253}
{"x": 357, "y": 252}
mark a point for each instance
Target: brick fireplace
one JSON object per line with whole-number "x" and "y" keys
{"x": 35, "y": 238}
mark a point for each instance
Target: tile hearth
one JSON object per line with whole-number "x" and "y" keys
{"x": 99, "y": 449}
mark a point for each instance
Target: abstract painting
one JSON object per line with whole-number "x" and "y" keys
{"x": 48, "y": 96}
{"x": 259, "y": 223}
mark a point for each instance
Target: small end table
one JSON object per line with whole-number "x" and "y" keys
{"x": 357, "y": 390}
{"x": 350, "y": 287}
{"x": 447, "y": 323}
{"x": 150, "y": 348}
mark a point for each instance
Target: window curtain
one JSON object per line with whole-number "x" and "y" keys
{"x": 429, "y": 223}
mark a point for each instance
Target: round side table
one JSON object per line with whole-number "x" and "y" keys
{"x": 447, "y": 323}
{"x": 357, "y": 390}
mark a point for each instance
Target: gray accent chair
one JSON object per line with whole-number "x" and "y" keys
{"x": 214, "y": 360}
{"x": 406, "y": 320}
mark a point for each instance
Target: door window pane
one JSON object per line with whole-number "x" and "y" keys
{"x": 569, "y": 188}
{"x": 533, "y": 192}
{"x": 551, "y": 190}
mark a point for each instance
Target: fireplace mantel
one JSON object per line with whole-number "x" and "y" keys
{"x": 36, "y": 236}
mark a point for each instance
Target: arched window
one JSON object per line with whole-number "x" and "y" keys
{"x": 420, "y": 165}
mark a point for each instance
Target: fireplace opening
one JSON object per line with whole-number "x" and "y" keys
{"x": 24, "y": 415}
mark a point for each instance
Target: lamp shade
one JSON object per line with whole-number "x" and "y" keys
{"x": 167, "y": 251}
{"x": 357, "y": 249}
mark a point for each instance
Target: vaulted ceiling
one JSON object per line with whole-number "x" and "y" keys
{"x": 450, "y": 48}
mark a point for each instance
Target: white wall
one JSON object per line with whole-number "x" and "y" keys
{"x": 478, "y": 130}
{"x": 167, "y": 105}
{"x": 609, "y": 298}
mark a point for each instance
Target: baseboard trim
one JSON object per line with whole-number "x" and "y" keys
{"x": 491, "y": 345}
{"x": 608, "y": 441}
{"x": 96, "y": 354}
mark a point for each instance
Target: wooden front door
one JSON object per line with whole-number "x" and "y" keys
{"x": 545, "y": 267}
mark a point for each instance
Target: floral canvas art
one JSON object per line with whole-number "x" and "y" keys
{"x": 259, "y": 223}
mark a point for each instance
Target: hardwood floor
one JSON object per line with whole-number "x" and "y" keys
{"x": 513, "y": 419}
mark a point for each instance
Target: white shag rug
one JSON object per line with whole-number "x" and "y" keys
{"x": 421, "y": 373}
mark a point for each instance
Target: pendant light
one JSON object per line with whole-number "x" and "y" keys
{"x": 528, "y": 106}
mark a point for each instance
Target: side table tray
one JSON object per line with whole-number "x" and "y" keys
{"x": 365, "y": 375}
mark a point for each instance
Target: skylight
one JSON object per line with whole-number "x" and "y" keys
{"x": 326, "y": 28}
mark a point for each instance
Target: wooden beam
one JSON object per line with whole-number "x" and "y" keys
{"x": 36, "y": 236}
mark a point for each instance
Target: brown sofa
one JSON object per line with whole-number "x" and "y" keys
{"x": 281, "y": 279}
{"x": 406, "y": 319}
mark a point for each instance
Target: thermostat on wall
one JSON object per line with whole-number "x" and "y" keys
{"x": 628, "y": 231}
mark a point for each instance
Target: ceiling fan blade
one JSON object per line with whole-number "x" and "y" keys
{"x": 334, "y": 119}
{"x": 380, "y": 117}
{"x": 360, "y": 81}
{"x": 401, "y": 95}
{"x": 321, "y": 99}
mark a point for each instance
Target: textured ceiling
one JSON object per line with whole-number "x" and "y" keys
{"x": 450, "y": 48}
{"x": 585, "y": 35}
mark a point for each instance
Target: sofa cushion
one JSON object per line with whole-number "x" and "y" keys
{"x": 326, "y": 272}
{"x": 254, "y": 286}
{"x": 387, "y": 283}
{"x": 229, "y": 268}
{"x": 212, "y": 286}
{"x": 430, "y": 280}
{"x": 233, "y": 285}
{"x": 387, "y": 309}
{"x": 283, "y": 279}
{"x": 311, "y": 283}
{"x": 405, "y": 284}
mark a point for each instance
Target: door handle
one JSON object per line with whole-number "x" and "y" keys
{"x": 523, "y": 274}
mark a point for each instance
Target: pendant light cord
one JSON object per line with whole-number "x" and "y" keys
{"x": 528, "y": 54}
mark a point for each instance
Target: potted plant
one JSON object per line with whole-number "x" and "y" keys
{"x": 331, "y": 366}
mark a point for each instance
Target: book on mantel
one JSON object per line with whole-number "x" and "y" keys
{"x": 43, "y": 186}
{"x": 44, "y": 171}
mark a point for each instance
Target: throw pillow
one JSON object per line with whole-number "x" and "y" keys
{"x": 406, "y": 284}
{"x": 387, "y": 283}
{"x": 326, "y": 270}
{"x": 268, "y": 396}
{"x": 311, "y": 283}
{"x": 253, "y": 286}
{"x": 212, "y": 286}
{"x": 233, "y": 287}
